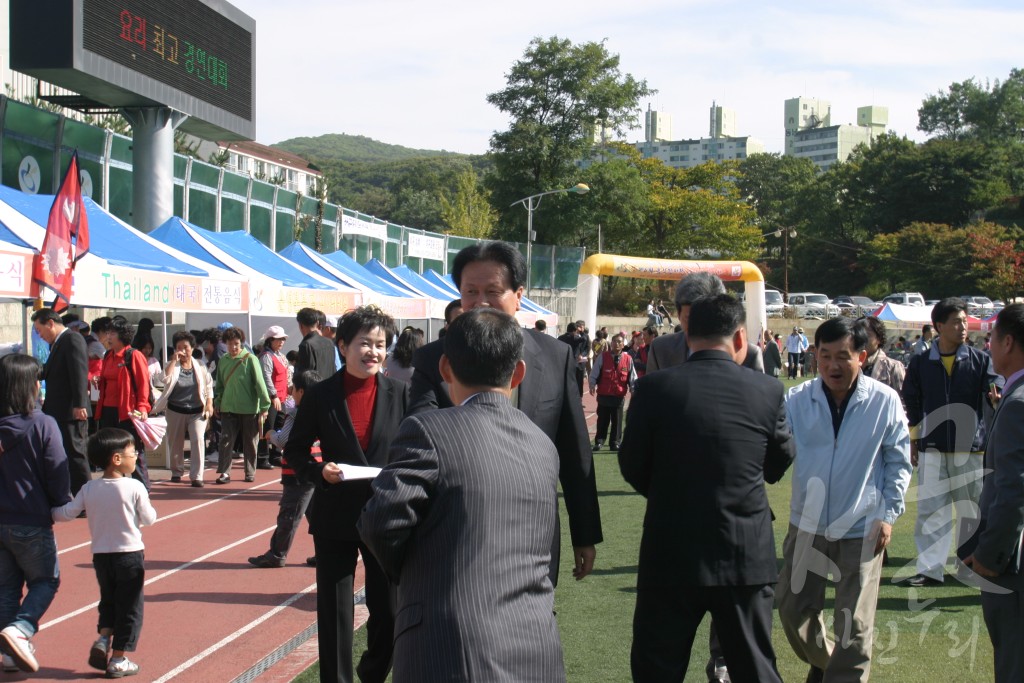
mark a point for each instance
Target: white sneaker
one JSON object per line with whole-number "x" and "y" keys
{"x": 121, "y": 667}
{"x": 9, "y": 664}
{"x": 16, "y": 644}
{"x": 98, "y": 653}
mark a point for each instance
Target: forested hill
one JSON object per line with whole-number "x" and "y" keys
{"x": 353, "y": 148}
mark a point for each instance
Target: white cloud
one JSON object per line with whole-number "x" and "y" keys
{"x": 417, "y": 73}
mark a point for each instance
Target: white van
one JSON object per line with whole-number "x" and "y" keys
{"x": 811, "y": 305}
{"x": 905, "y": 299}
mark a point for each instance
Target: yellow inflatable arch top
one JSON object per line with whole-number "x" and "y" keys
{"x": 593, "y": 268}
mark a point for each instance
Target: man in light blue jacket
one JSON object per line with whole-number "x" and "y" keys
{"x": 850, "y": 477}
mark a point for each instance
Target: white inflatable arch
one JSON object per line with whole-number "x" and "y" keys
{"x": 593, "y": 268}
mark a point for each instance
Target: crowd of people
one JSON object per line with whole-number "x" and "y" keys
{"x": 439, "y": 464}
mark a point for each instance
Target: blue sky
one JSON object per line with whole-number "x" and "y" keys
{"x": 417, "y": 73}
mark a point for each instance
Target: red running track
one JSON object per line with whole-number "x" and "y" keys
{"x": 209, "y": 615}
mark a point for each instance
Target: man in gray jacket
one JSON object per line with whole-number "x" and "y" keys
{"x": 462, "y": 520}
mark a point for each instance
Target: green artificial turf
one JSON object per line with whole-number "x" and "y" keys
{"x": 922, "y": 635}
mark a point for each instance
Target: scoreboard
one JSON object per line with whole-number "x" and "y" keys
{"x": 195, "y": 56}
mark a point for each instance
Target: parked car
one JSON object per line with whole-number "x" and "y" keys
{"x": 979, "y": 306}
{"x": 855, "y": 305}
{"x": 904, "y": 299}
{"x": 774, "y": 305}
{"x": 812, "y": 305}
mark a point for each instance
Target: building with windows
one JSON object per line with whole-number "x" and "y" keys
{"x": 722, "y": 144}
{"x": 263, "y": 162}
{"x": 811, "y": 135}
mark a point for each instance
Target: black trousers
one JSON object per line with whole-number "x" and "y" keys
{"x": 609, "y": 408}
{"x": 581, "y": 370}
{"x": 75, "y": 435}
{"x": 335, "y": 570}
{"x": 666, "y": 621}
{"x": 121, "y": 577}
{"x": 109, "y": 418}
{"x": 1004, "y": 618}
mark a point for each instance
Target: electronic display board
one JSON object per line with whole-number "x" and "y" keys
{"x": 195, "y": 56}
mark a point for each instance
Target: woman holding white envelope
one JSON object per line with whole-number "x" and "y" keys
{"x": 354, "y": 415}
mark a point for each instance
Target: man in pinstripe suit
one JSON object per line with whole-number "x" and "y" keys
{"x": 462, "y": 520}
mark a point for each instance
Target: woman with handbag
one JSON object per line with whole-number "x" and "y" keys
{"x": 188, "y": 400}
{"x": 241, "y": 401}
{"x": 124, "y": 385}
{"x": 275, "y": 376}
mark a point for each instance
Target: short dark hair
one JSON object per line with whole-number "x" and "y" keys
{"x": 571, "y": 327}
{"x": 947, "y": 307}
{"x": 364, "y": 318}
{"x": 838, "y": 328}
{"x": 183, "y": 335}
{"x": 233, "y": 333}
{"x": 926, "y": 328}
{"x": 292, "y": 356}
{"x": 697, "y": 286}
{"x": 716, "y": 317}
{"x": 540, "y": 324}
{"x": 124, "y": 330}
{"x": 876, "y": 326}
{"x": 651, "y": 330}
{"x": 306, "y": 379}
{"x": 308, "y": 317}
{"x": 1010, "y": 321}
{"x": 210, "y": 334}
{"x": 19, "y": 376}
{"x": 104, "y": 443}
{"x": 410, "y": 340}
{"x": 321, "y": 319}
{"x": 101, "y": 325}
{"x": 450, "y": 308}
{"x": 483, "y": 347}
{"x": 45, "y": 315}
{"x": 501, "y": 253}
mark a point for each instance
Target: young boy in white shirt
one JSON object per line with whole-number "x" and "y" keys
{"x": 116, "y": 506}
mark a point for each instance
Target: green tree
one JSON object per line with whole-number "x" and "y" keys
{"x": 556, "y": 97}
{"x": 467, "y": 211}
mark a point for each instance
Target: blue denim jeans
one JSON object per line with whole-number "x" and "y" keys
{"x": 28, "y": 557}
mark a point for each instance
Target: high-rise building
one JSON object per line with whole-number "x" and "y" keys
{"x": 805, "y": 113}
{"x": 723, "y": 122}
{"x": 810, "y": 135}
{"x": 657, "y": 125}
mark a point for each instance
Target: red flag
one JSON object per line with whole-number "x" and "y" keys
{"x": 54, "y": 265}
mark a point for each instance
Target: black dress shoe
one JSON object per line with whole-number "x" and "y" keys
{"x": 815, "y": 675}
{"x": 175, "y": 479}
{"x": 598, "y": 445}
{"x": 614, "y": 447}
{"x": 311, "y": 561}
{"x": 264, "y": 465}
{"x": 920, "y": 581}
{"x": 266, "y": 561}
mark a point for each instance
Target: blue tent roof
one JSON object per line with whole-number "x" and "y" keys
{"x": 7, "y": 236}
{"x": 386, "y": 274}
{"x": 443, "y": 281}
{"x": 238, "y": 245}
{"x": 355, "y": 274}
{"x": 109, "y": 238}
{"x": 424, "y": 285}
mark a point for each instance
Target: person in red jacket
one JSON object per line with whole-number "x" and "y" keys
{"x": 612, "y": 376}
{"x": 123, "y": 385}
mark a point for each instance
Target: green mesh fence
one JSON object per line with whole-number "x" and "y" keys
{"x": 37, "y": 144}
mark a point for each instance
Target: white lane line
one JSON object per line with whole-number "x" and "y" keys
{"x": 234, "y": 636}
{"x": 158, "y": 577}
{"x": 200, "y": 506}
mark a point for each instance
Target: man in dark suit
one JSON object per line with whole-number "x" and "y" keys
{"x": 462, "y": 520}
{"x": 668, "y": 350}
{"x": 493, "y": 274}
{"x": 66, "y": 374}
{"x": 997, "y": 555}
{"x": 316, "y": 352}
{"x": 701, "y": 440}
{"x": 354, "y": 414}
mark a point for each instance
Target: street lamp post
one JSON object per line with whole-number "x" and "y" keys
{"x": 785, "y": 234}
{"x": 531, "y": 203}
